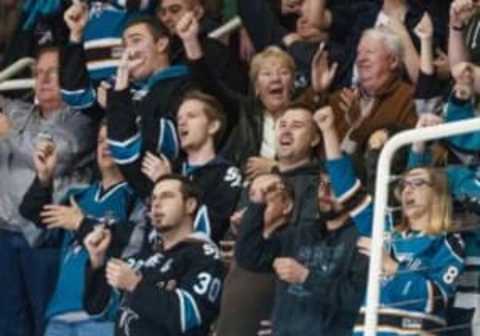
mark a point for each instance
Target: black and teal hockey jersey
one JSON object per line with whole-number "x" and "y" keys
{"x": 178, "y": 295}
{"x": 415, "y": 298}
{"x": 116, "y": 203}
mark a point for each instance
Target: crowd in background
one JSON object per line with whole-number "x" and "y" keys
{"x": 160, "y": 181}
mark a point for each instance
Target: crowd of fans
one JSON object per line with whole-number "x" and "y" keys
{"x": 163, "y": 182}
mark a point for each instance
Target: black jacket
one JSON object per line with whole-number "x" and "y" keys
{"x": 151, "y": 119}
{"x": 220, "y": 183}
{"x": 329, "y": 300}
{"x": 179, "y": 293}
{"x": 304, "y": 181}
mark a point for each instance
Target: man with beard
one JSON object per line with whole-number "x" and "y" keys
{"x": 296, "y": 138}
{"x": 321, "y": 277}
{"x": 170, "y": 288}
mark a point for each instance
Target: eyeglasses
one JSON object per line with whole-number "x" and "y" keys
{"x": 414, "y": 183}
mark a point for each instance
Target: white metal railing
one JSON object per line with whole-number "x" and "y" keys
{"x": 227, "y": 28}
{"x": 15, "y": 68}
{"x": 12, "y": 70}
{"x": 381, "y": 198}
{"x": 17, "y": 84}
{"x": 20, "y": 84}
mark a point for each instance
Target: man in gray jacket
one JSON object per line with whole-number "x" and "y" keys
{"x": 24, "y": 126}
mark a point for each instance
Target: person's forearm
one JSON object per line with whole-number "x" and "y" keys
{"x": 412, "y": 61}
{"x": 457, "y": 50}
{"x": 193, "y": 49}
{"x": 317, "y": 13}
{"x": 426, "y": 56}
{"x": 332, "y": 144}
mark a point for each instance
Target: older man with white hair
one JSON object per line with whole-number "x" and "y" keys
{"x": 381, "y": 97}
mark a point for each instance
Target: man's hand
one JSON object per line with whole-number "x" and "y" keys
{"x": 290, "y": 270}
{"x": 389, "y": 266}
{"x": 63, "y": 217}
{"x": 102, "y": 93}
{"x": 461, "y": 11}
{"x": 377, "y": 139}
{"x": 424, "y": 29}
{"x": 5, "y": 125}
{"x": 128, "y": 61}
{"x": 349, "y": 100}
{"x": 259, "y": 165}
{"x": 261, "y": 186}
{"x": 155, "y": 167}
{"x": 324, "y": 119}
{"x": 96, "y": 243}
{"x": 45, "y": 161}
{"x": 187, "y": 27}
{"x": 322, "y": 74}
{"x": 121, "y": 276}
{"x": 76, "y": 17}
{"x": 395, "y": 25}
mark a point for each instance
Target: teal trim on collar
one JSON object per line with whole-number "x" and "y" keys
{"x": 163, "y": 74}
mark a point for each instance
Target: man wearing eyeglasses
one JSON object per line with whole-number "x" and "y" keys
{"x": 24, "y": 127}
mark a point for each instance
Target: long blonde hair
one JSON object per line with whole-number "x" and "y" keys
{"x": 441, "y": 207}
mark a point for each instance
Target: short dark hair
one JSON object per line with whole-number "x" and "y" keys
{"x": 155, "y": 26}
{"x": 212, "y": 108}
{"x": 188, "y": 188}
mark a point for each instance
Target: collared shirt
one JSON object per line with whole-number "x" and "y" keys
{"x": 74, "y": 138}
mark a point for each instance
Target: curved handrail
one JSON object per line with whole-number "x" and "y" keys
{"x": 227, "y": 28}
{"x": 17, "y": 84}
{"x": 15, "y": 68}
{"x": 381, "y": 197}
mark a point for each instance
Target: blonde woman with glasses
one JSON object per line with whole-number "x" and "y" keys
{"x": 421, "y": 267}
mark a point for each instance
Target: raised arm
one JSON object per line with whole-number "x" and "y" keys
{"x": 40, "y": 192}
{"x": 345, "y": 183}
{"x": 257, "y": 248}
{"x": 461, "y": 11}
{"x": 261, "y": 23}
{"x": 461, "y": 106}
{"x": 77, "y": 89}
